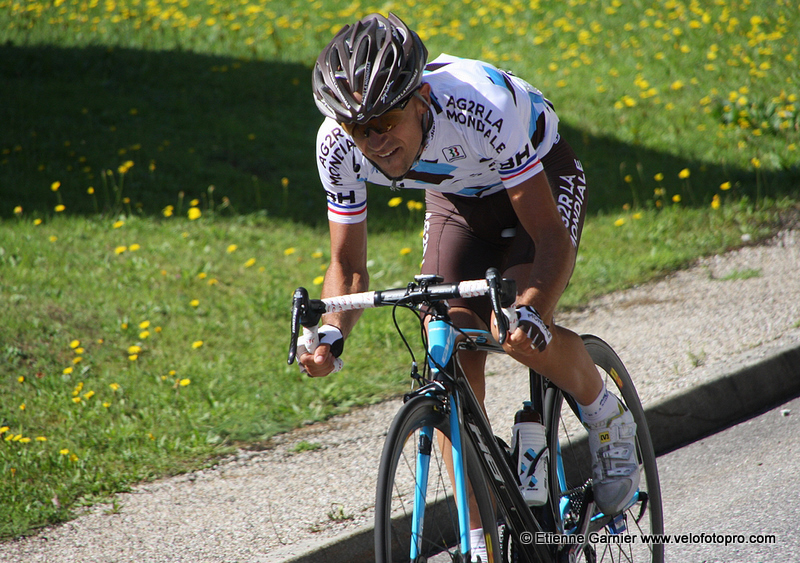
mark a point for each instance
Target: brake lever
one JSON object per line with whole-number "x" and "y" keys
{"x": 304, "y": 313}
{"x": 502, "y": 293}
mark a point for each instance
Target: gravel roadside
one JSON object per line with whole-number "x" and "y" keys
{"x": 673, "y": 335}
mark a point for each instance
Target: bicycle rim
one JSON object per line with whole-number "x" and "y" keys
{"x": 397, "y": 485}
{"x": 620, "y": 539}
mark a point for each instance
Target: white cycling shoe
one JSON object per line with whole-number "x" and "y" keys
{"x": 615, "y": 468}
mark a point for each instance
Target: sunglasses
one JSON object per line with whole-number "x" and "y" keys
{"x": 380, "y": 125}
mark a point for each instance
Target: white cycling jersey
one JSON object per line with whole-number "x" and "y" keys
{"x": 489, "y": 132}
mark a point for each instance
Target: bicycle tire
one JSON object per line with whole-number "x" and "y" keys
{"x": 571, "y": 469}
{"x": 395, "y": 491}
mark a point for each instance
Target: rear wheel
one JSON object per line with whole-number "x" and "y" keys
{"x": 398, "y": 486}
{"x": 618, "y": 538}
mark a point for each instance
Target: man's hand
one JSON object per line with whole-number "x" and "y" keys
{"x": 531, "y": 333}
{"x": 319, "y": 363}
{"x": 324, "y": 359}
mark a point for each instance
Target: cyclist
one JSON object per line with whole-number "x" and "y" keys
{"x": 502, "y": 189}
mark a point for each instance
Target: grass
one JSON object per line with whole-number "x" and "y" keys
{"x": 159, "y": 203}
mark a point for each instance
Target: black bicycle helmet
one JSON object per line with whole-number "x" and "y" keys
{"x": 378, "y": 57}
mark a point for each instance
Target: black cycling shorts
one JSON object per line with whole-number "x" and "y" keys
{"x": 464, "y": 236}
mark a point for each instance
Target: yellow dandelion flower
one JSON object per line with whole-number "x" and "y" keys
{"x": 22, "y": 407}
{"x": 285, "y": 182}
{"x": 194, "y": 213}
{"x": 76, "y": 400}
{"x": 194, "y": 302}
{"x": 677, "y": 85}
{"x": 676, "y": 198}
{"x": 114, "y": 386}
{"x": 725, "y": 186}
{"x": 106, "y": 404}
{"x": 658, "y": 177}
{"x": 21, "y": 379}
{"x": 184, "y": 382}
{"x": 37, "y": 222}
{"x": 74, "y": 344}
{"x": 73, "y": 457}
{"x": 41, "y": 438}
{"x": 134, "y": 247}
{"x": 88, "y": 394}
{"x": 395, "y": 201}
{"x": 67, "y": 371}
{"x": 232, "y": 248}
{"x": 289, "y": 251}
{"x": 715, "y": 202}
{"x": 24, "y": 440}
{"x": 683, "y": 174}
{"x": 168, "y": 211}
{"x": 55, "y": 185}
{"x": 619, "y": 222}
{"x": 144, "y": 324}
{"x": 120, "y": 249}
{"x": 318, "y": 280}
{"x": 134, "y": 349}
{"x": 59, "y": 208}
{"x": 118, "y": 224}
{"x": 65, "y": 451}
{"x": 250, "y": 263}
{"x": 317, "y": 254}
{"x": 197, "y": 344}
{"x": 404, "y": 251}
{"x": 90, "y": 190}
{"x": 756, "y": 162}
{"x": 4, "y": 429}
{"x": 18, "y": 210}
{"x": 133, "y": 357}
{"x": 144, "y": 334}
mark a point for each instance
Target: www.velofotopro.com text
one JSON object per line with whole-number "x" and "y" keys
{"x": 647, "y": 539}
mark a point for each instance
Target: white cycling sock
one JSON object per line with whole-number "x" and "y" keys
{"x": 478, "y": 544}
{"x": 602, "y": 408}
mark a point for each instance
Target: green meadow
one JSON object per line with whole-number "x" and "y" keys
{"x": 159, "y": 203}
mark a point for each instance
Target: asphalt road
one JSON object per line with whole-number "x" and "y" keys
{"x": 727, "y": 492}
{"x": 742, "y": 481}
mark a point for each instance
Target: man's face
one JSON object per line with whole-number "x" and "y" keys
{"x": 395, "y": 150}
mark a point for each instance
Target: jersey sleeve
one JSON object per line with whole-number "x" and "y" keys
{"x": 340, "y": 171}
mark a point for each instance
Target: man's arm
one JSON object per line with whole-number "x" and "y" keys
{"x": 555, "y": 255}
{"x": 347, "y": 273}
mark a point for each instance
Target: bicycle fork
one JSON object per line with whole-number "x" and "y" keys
{"x": 441, "y": 344}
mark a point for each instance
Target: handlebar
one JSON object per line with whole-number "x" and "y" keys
{"x": 425, "y": 290}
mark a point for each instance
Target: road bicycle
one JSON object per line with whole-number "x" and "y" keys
{"x": 422, "y": 513}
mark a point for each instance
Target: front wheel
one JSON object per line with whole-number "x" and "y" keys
{"x": 620, "y": 538}
{"x": 407, "y": 528}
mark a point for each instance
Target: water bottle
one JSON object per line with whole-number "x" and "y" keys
{"x": 529, "y": 450}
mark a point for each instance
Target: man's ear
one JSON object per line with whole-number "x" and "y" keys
{"x": 425, "y": 92}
